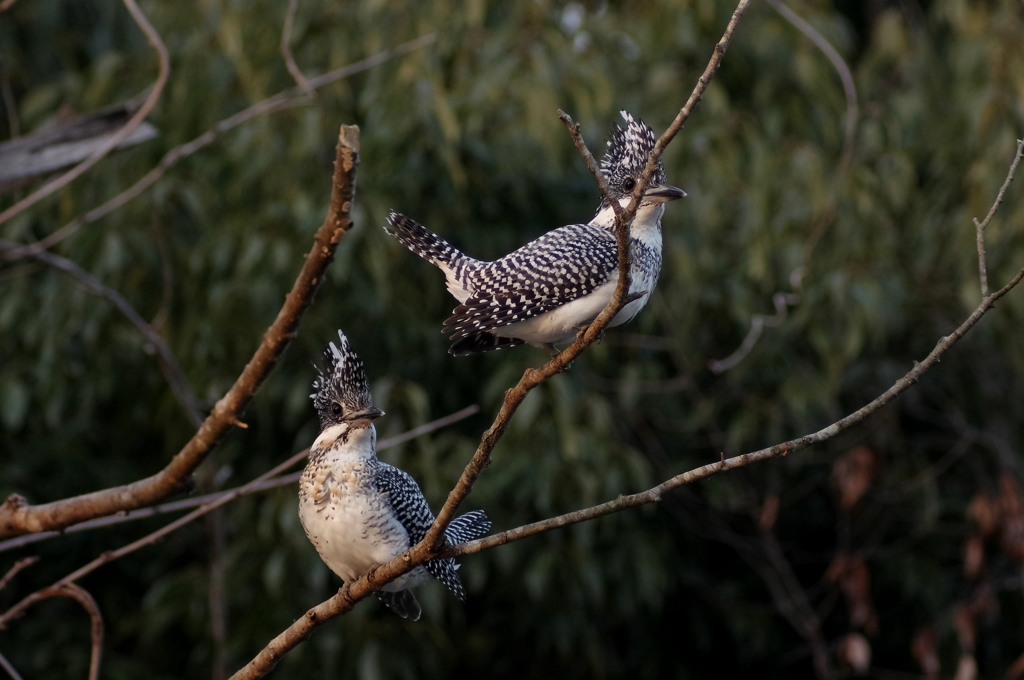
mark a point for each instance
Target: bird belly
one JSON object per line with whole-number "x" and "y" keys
{"x": 350, "y": 528}
{"x": 561, "y": 324}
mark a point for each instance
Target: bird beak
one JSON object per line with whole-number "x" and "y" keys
{"x": 365, "y": 417}
{"x": 663, "y": 193}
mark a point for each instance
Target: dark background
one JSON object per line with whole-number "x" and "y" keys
{"x": 738, "y": 575}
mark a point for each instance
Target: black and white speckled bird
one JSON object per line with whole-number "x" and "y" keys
{"x": 357, "y": 511}
{"x": 544, "y": 292}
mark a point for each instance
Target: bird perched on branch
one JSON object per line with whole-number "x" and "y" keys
{"x": 546, "y": 291}
{"x": 357, "y": 511}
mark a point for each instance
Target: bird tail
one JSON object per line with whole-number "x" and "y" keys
{"x": 467, "y": 527}
{"x": 463, "y": 528}
{"x": 474, "y": 343}
{"x": 422, "y": 241}
{"x": 402, "y": 602}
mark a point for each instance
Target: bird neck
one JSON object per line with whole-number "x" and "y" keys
{"x": 646, "y": 224}
{"x": 344, "y": 444}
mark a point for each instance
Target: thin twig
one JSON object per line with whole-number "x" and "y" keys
{"x": 82, "y": 597}
{"x": 980, "y": 226}
{"x": 838, "y": 63}
{"x": 10, "y": 105}
{"x": 18, "y": 566}
{"x": 758, "y": 322}
{"x": 17, "y": 517}
{"x": 286, "y": 50}
{"x": 265, "y": 485}
{"x": 4, "y": 663}
{"x": 115, "y": 139}
{"x": 277, "y": 102}
{"x": 169, "y": 365}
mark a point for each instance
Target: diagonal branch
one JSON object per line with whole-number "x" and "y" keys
{"x": 18, "y": 566}
{"x": 168, "y": 362}
{"x": 4, "y": 663}
{"x": 115, "y": 140}
{"x": 18, "y": 517}
{"x": 655, "y": 494}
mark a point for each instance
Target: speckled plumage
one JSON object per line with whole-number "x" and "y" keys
{"x": 544, "y": 292}
{"x": 357, "y": 511}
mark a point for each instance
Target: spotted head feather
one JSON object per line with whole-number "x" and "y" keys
{"x": 626, "y": 156}
{"x": 341, "y": 388}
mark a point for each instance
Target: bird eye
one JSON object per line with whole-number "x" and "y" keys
{"x": 336, "y": 408}
{"x": 628, "y": 183}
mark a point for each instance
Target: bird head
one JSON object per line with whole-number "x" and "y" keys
{"x": 341, "y": 393}
{"x": 624, "y": 160}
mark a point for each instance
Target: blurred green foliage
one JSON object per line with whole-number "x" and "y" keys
{"x": 463, "y": 136}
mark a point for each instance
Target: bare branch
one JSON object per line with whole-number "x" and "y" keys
{"x": 654, "y": 494}
{"x": 782, "y": 302}
{"x": 256, "y": 486}
{"x": 845, "y": 76}
{"x": 18, "y": 566}
{"x": 116, "y": 139}
{"x": 980, "y": 226}
{"x": 280, "y": 101}
{"x": 149, "y": 539}
{"x": 286, "y": 50}
{"x": 169, "y": 365}
{"x": 4, "y": 663}
{"x": 18, "y": 517}
{"x": 82, "y": 596}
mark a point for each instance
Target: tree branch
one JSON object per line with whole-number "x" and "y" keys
{"x": 278, "y": 102}
{"x": 120, "y": 136}
{"x": 654, "y": 494}
{"x": 286, "y": 50}
{"x": 18, "y": 517}
{"x": 261, "y": 484}
{"x": 4, "y": 663}
{"x": 18, "y": 566}
{"x": 980, "y": 226}
{"x": 82, "y": 596}
{"x": 169, "y": 365}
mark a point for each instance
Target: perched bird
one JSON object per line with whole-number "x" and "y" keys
{"x": 357, "y": 511}
{"x": 546, "y": 291}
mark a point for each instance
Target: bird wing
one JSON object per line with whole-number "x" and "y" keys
{"x": 407, "y": 500}
{"x": 559, "y": 267}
